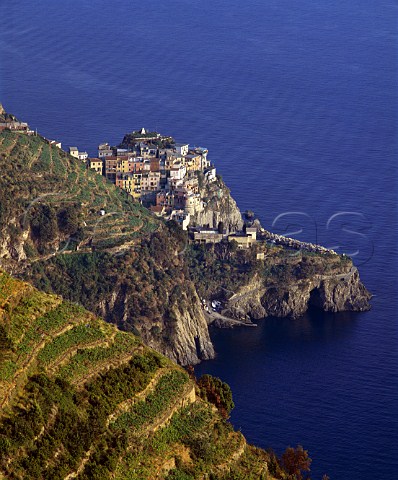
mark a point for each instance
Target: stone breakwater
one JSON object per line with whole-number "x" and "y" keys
{"x": 293, "y": 243}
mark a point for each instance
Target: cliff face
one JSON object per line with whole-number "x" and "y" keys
{"x": 219, "y": 206}
{"x": 331, "y": 293}
{"x": 12, "y": 248}
{"x": 181, "y": 333}
{"x": 6, "y": 117}
{"x": 189, "y": 338}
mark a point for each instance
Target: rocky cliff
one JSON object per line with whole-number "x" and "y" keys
{"x": 282, "y": 283}
{"x": 6, "y": 117}
{"x": 219, "y": 206}
{"x": 331, "y": 293}
{"x": 180, "y": 332}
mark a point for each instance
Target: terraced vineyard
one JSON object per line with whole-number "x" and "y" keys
{"x": 80, "y": 399}
{"x": 41, "y": 184}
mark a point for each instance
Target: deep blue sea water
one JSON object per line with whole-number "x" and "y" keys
{"x": 297, "y": 103}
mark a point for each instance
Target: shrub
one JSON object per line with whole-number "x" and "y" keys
{"x": 217, "y": 392}
{"x": 296, "y": 461}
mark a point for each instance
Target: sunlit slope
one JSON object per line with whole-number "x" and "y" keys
{"x": 80, "y": 399}
{"x": 53, "y": 199}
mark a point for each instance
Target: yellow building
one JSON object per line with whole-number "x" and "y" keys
{"x": 96, "y": 164}
{"x": 123, "y": 165}
{"x": 131, "y": 183}
{"x": 172, "y": 159}
{"x": 193, "y": 162}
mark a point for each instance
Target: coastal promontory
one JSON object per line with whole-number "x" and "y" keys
{"x": 72, "y": 230}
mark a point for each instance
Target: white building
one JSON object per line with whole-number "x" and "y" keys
{"x": 178, "y": 171}
{"x": 210, "y": 174}
{"x": 181, "y": 217}
{"x": 252, "y": 231}
{"x": 104, "y": 150}
{"x": 193, "y": 203}
{"x": 82, "y": 156}
{"x": 76, "y": 154}
{"x": 182, "y": 148}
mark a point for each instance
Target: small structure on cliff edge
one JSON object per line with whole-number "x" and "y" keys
{"x": 10, "y": 122}
{"x": 205, "y": 235}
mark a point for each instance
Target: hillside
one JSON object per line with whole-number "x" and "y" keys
{"x": 69, "y": 231}
{"x": 80, "y": 399}
{"x": 123, "y": 265}
{"x": 57, "y": 201}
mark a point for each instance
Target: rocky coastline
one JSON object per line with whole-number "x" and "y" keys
{"x": 148, "y": 287}
{"x": 330, "y": 293}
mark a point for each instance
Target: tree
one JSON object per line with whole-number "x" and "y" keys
{"x": 216, "y": 392}
{"x": 223, "y": 249}
{"x": 68, "y": 219}
{"x": 233, "y": 246}
{"x": 296, "y": 461}
{"x": 43, "y": 224}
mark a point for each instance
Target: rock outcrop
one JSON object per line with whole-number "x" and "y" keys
{"x": 331, "y": 293}
{"x": 190, "y": 340}
{"x": 6, "y": 117}
{"x": 182, "y": 336}
{"x": 219, "y": 206}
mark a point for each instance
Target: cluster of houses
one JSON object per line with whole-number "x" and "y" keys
{"x": 161, "y": 174}
{"x": 164, "y": 175}
{"x": 15, "y": 126}
{"x": 12, "y": 124}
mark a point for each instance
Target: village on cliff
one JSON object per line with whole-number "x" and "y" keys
{"x": 169, "y": 178}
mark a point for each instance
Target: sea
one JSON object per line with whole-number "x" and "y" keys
{"x": 297, "y": 104}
